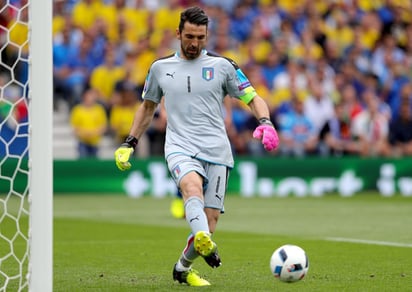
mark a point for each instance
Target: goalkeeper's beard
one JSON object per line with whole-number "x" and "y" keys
{"x": 191, "y": 52}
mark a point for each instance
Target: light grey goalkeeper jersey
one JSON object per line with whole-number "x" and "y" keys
{"x": 194, "y": 91}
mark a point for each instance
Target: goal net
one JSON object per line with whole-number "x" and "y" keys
{"x": 25, "y": 146}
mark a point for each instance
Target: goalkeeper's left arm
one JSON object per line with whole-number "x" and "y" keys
{"x": 141, "y": 121}
{"x": 265, "y": 131}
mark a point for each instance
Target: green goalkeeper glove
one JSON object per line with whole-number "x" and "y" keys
{"x": 122, "y": 154}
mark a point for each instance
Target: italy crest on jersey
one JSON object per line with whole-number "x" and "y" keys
{"x": 208, "y": 73}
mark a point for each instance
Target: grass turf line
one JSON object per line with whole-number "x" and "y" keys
{"x": 120, "y": 244}
{"x": 114, "y": 243}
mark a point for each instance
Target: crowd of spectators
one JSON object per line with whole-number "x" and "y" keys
{"x": 337, "y": 74}
{"x": 334, "y": 73}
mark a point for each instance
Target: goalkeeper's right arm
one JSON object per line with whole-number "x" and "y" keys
{"x": 141, "y": 122}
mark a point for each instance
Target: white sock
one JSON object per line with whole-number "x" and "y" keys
{"x": 180, "y": 267}
{"x": 195, "y": 215}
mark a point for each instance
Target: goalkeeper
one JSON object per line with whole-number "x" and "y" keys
{"x": 193, "y": 83}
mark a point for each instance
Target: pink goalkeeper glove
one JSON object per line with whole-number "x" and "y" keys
{"x": 267, "y": 133}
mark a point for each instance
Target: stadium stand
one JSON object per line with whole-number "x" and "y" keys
{"x": 291, "y": 49}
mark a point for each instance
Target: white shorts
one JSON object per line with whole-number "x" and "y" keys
{"x": 215, "y": 177}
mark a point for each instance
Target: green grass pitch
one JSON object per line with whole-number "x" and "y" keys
{"x": 115, "y": 243}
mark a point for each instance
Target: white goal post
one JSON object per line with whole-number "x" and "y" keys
{"x": 40, "y": 147}
{"x": 26, "y": 158}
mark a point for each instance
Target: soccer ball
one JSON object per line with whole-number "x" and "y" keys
{"x": 289, "y": 263}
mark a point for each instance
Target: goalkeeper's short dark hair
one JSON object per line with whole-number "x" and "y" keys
{"x": 194, "y": 15}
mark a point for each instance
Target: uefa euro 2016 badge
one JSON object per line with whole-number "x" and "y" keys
{"x": 208, "y": 73}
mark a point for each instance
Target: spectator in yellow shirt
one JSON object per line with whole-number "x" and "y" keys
{"x": 85, "y": 13}
{"x": 105, "y": 76}
{"x": 139, "y": 59}
{"x": 370, "y": 27}
{"x": 340, "y": 32}
{"x": 122, "y": 113}
{"x": 59, "y": 17}
{"x": 167, "y": 16}
{"x": 89, "y": 122}
{"x": 307, "y": 49}
{"x": 135, "y": 22}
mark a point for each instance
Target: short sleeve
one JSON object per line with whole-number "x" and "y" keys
{"x": 238, "y": 85}
{"x": 151, "y": 89}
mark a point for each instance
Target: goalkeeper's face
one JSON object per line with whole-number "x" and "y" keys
{"x": 192, "y": 40}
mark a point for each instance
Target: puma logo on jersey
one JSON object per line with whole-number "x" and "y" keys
{"x": 195, "y": 218}
{"x": 171, "y": 75}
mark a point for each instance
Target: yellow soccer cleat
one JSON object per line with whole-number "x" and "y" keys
{"x": 190, "y": 277}
{"x": 205, "y": 247}
{"x": 203, "y": 244}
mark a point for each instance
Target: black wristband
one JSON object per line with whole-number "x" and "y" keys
{"x": 130, "y": 141}
{"x": 265, "y": 121}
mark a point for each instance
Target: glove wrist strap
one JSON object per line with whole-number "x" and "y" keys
{"x": 265, "y": 121}
{"x": 130, "y": 141}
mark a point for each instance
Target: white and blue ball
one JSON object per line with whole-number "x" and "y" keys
{"x": 289, "y": 263}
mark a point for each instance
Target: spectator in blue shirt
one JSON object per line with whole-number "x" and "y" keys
{"x": 297, "y": 134}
